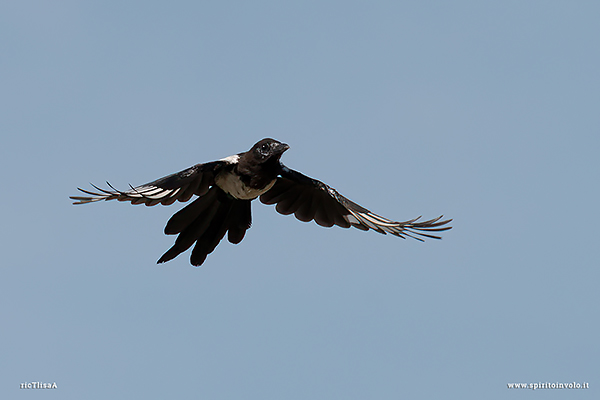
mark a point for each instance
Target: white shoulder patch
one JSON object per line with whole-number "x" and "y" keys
{"x": 231, "y": 159}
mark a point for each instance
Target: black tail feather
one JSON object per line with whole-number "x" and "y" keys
{"x": 187, "y": 215}
{"x": 240, "y": 220}
{"x": 212, "y": 236}
{"x": 192, "y": 232}
{"x": 205, "y": 222}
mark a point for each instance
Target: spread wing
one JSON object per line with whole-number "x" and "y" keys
{"x": 308, "y": 199}
{"x": 179, "y": 186}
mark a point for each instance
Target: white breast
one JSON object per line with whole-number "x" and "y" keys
{"x": 231, "y": 184}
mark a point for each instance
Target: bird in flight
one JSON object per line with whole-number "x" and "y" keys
{"x": 225, "y": 189}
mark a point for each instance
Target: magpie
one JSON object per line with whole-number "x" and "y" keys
{"x": 226, "y": 187}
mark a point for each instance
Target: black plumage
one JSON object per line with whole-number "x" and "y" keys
{"x": 225, "y": 189}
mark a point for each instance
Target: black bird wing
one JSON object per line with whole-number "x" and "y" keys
{"x": 308, "y": 199}
{"x": 178, "y": 186}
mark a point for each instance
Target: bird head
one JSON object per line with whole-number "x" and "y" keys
{"x": 268, "y": 149}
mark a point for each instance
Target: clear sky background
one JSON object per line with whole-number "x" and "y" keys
{"x": 486, "y": 112}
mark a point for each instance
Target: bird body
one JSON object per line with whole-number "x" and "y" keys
{"x": 234, "y": 186}
{"x": 226, "y": 188}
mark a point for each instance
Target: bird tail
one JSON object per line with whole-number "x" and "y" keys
{"x": 205, "y": 221}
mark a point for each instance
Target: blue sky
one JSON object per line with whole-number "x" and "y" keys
{"x": 484, "y": 112}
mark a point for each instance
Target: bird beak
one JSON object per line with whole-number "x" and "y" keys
{"x": 282, "y": 147}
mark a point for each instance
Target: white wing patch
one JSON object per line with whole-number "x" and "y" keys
{"x": 352, "y": 219}
{"x": 145, "y": 194}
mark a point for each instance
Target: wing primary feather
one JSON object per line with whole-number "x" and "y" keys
{"x": 104, "y": 190}
{"x": 310, "y": 199}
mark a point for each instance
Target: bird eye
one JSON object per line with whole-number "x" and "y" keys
{"x": 265, "y": 147}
